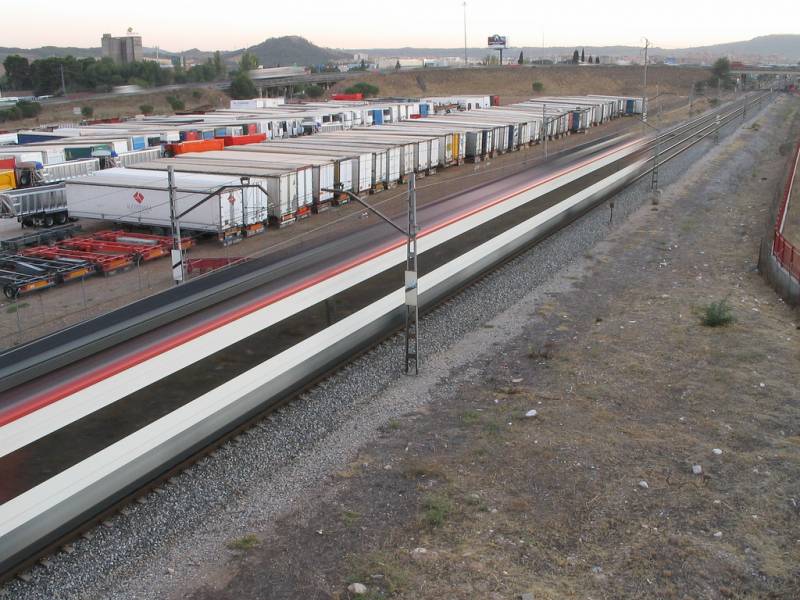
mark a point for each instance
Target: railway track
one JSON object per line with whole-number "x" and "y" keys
{"x": 250, "y": 322}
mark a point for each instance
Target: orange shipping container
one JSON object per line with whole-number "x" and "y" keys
{"x": 195, "y": 146}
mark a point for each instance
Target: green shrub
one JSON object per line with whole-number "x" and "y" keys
{"x": 538, "y": 87}
{"x": 367, "y": 89}
{"x": 242, "y": 87}
{"x": 87, "y": 112}
{"x": 314, "y": 91}
{"x": 29, "y": 109}
{"x": 147, "y": 109}
{"x": 176, "y": 103}
{"x": 717, "y": 314}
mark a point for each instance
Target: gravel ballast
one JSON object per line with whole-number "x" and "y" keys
{"x": 157, "y": 548}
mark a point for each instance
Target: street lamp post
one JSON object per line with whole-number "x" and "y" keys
{"x": 410, "y": 274}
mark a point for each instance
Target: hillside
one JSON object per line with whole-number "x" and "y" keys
{"x": 291, "y": 50}
{"x": 787, "y": 46}
{"x": 515, "y": 83}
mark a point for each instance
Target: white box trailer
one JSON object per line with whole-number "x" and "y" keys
{"x": 278, "y": 205}
{"x": 355, "y": 165}
{"x": 67, "y": 170}
{"x": 422, "y": 149}
{"x": 495, "y": 138}
{"x": 141, "y": 197}
{"x": 372, "y": 170}
{"x": 405, "y": 149}
{"x": 127, "y": 159}
{"x": 302, "y": 175}
{"x": 447, "y": 143}
{"x": 328, "y": 165}
{"x": 386, "y": 160}
{"x": 342, "y": 169}
{"x": 326, "y": 171}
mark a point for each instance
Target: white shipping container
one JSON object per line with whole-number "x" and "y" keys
{"x": 23, "y": 156}
{"x": 141, "y": 197}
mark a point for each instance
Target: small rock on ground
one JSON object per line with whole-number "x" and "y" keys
{"x": 359, "y": 589}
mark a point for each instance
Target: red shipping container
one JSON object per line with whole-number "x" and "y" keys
{"x": 8, "y": 164}
{"x": 252, "y": 128}
{"x": 494, "y": 100}
{"x": 347, "y": 97}
{"x": 191, "y": 136}
{"x": 241, "y": 140}
{"x": 196, "y": 146}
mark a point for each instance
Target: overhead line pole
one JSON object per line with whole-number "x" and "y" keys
{"x": 411, "y": 275}
{"x": 644, "y": 89}
{"x": 178, "y": 267}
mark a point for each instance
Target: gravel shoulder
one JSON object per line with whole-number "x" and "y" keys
{"x": 348, "y": 481}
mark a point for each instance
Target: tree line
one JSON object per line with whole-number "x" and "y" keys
{"x": 44, "y": 76}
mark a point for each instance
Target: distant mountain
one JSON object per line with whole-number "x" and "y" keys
{"x": 774, "y": 47}
{"x": 785, "y": 46}
{"x": 284, "y": 51}
{"x": 291, "y": 50}
{"x": 295, "y": 50}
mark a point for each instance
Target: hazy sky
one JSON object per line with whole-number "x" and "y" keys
{"x": 176, "y": 25}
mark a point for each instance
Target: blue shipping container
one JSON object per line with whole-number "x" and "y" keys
{"x": 629, "y": 104}
{"x": 32, "y": 138}
{"x": 377, "y": 117}
{"x": 423, "y": 109}
{"x": 138, "y": 143}
{"x": 208, "y": 134}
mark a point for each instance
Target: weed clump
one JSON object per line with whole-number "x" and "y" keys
{"x": 435, "y": 510}
{"x": 243, "y": 543}
{"x": 717, "y": 314}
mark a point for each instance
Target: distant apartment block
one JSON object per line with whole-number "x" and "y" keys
{"x": 124, "y": 49}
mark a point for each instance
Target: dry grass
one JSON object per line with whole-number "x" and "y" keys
{"x": 127, "y": 105}
{"x": 517, "y": 82}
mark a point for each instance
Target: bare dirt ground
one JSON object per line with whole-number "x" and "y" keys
{"x": 595, "y": 497}
{"x": 515, "y": 83}
{"x": 41, "y": 313}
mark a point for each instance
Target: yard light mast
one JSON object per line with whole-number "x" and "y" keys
{"x": 466, "y": 63}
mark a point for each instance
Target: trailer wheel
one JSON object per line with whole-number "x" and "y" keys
{"x": 10, "y": 292}
{"x": 48, "y": 220}
{"x": 61, "y": 218}
{"x": 28, "y": 222}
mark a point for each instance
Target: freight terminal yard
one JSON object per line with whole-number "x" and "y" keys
{"x": 182, "y": 280}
